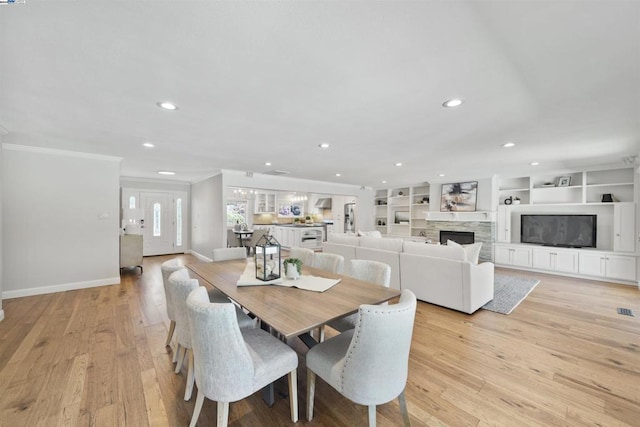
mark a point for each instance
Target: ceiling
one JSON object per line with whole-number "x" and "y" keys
{"x": 269, "y": 81}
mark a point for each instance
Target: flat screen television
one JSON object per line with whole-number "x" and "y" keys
{"x": 571, "y": 231}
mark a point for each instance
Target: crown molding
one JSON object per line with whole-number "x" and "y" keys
{"x": 56, "y": 152}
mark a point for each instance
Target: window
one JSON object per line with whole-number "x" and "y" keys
{"x": 157, "y": 218}
{"x": 236, "y": 212}
{"x": 178, "y": 222}
{"x": 132, "y": 202}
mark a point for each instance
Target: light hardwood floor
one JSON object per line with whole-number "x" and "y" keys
{"x": 97, "y": 357}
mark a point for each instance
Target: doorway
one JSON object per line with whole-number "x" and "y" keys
{"x": 164, "y": 225}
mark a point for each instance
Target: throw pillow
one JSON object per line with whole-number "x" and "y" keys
{"x": 471, "y": 251}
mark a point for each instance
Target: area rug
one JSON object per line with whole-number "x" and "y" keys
{"x": 508, "y": 292}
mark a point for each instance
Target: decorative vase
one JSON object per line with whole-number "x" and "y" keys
{"x": 292, "y": 272}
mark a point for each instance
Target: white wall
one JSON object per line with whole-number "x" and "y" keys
{"x": 207, "y": 216}
{"x": 60, "y": 220}
{"x": 1, "y": 240}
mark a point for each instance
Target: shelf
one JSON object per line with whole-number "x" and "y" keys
{"x": 505, "y": 190}
{"x": 613, "y": 184}
{"x": 479, "y": 216}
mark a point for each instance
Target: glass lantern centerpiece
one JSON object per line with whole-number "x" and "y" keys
{"x": 267, "y": 258}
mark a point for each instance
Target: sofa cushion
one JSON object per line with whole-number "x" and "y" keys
{"x": 343, "y": 239}
{"x": 472, "y": 251}
{"x": 387, "y": 244}
{"x": 436, "y": 251}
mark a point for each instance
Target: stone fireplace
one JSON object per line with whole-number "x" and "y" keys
{"x": 483, "y": 231}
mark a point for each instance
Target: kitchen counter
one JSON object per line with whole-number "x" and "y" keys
{"x": 300, "y": 225}
{"x": 299, "y": 235}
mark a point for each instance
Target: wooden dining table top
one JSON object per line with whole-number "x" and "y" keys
{"x": 289, "y": 310}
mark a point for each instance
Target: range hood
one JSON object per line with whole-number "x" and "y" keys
{"x": 323, "y": 203}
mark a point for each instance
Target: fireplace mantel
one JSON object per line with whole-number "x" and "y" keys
{"x": 478, "y": 216}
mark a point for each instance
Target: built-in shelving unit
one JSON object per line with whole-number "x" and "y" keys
{"x": 608, "y": 193}
{"x": 401, "y": 211}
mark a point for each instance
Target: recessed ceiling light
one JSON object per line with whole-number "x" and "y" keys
{"x": 324, "y": 145}
{"x": 508, "y": 144}
{"x": 148, "y": 145}
{"x": 338, "y": 174}
{"x": 267, "y": 163}
{"x": 455, "y": 102}
{"x": 167, "y": 105}
{"x": 384, "y": 182}
{"x": 534, "y": 163}
{"x": 166, "y": 173}
{"x": 398, "y": 163}
{"x": 440, "y": 175}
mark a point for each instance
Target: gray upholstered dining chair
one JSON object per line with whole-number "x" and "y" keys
{"x": 369, "y": 364}
{"x": 329, "y": 262}
{"x": 230, "y": 363}
{"x": 369, "y": 271}
{"x": 167, "y": 268}
{"x": 303, "y": 254}
{"x": 232, "y": 239}
{"x": 225, "y": 254}
{"x": 257, "y": 235}
{"x": 180, "y": 285}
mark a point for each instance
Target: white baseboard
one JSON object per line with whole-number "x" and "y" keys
{"x": 1, "y": 315}
{"x": 199, "y": 256}
{"x": 60, "y": 288}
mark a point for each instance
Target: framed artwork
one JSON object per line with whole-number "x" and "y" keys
{"x": 291, "y": 210}
{"x": 459, "y": 197}
{"x": 563, "y": 181}
{"x": 402, "y": 217}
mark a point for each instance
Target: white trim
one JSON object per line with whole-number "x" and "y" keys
{"x": 199, "y": 256}
{"x": 1, "y": 315}
{"x": 54, "y": 151}
{"x": 60, "y": 288}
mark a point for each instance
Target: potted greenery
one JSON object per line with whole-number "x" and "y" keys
{"x": 292, "y": 268}
{"x": 308, "y": 219}
{"x": 516, "y": 200}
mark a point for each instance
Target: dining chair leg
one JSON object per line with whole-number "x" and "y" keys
{"x": 311, "y": 388}
{"x": 403, "y": 409}
{"x": 372, "y": 415}
{"x": 321, "y": 334}
{"x": 197, "y": 409}
{"x": 293, "y": 394}
{"x": 180, "y": 359}
{"x": 223, "y": 414}
{"x": 172, "y": 328}
{"x": 190, "y": 377}
{"x": 175, "y": 353}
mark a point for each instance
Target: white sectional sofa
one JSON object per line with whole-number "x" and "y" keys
{"x": 437, "y": 274}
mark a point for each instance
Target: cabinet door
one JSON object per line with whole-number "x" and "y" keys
{"x": 566, "y": 262}
{"x": 521, "y": 257}
{"x": 621, "y": 267}
{"x": 624, "y": 233}
{"x": 503, "y": 255}
{"x": 543, "y": 259}
{"x": 592, "y": 264}
{"x": 504, "y": 224}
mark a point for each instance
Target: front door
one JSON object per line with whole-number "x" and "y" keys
{"x": 159, "y": 226}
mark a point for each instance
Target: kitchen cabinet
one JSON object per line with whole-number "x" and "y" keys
{"x": 310, "y": 237}
{"x": 265, "y": 203}
{"x": 608, "y": 265}
{"x": 555, "y": 260}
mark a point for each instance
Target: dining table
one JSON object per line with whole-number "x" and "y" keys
{"x": 291, "y": 311}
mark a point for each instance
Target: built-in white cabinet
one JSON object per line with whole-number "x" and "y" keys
{"x": 579, "y": 262}
{"x": 516, "y": 256}
{"x": 607, "y": 265}
{"x": 266, "y": 203}
{"x": 503, "y": 224}
{"x": 624, "y": 221}
{"x": 565, "y": 261}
